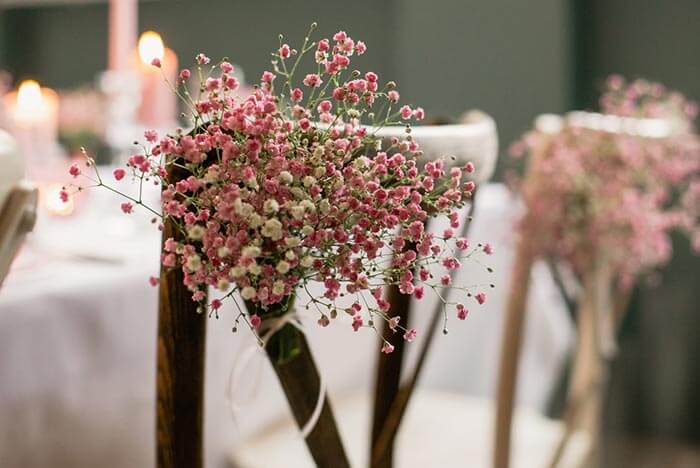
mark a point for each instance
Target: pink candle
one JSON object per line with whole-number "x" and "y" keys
{"x": 123, "y": 16}
{"x": 158, "y": 101}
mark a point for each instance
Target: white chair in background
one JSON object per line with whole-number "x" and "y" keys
{"x": 18, "y": 201}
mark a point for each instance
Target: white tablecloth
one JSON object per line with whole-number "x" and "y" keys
{"x": 78, "y": 344}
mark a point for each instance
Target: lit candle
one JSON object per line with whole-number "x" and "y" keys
{"x": 158, "y": 101}
{"x": 49, "y": 195}
{"x": 33, "y": 121}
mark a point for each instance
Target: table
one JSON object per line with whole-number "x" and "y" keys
{"x": 78, "y": 344}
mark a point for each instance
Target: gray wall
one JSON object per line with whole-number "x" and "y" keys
{"x": 655, "y": 39}
{"x": 510, "y": 58}
{"x": 507, "y": 57}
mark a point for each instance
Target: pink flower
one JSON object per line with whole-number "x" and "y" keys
{"x": 153, "y": 281}
{"x": 406, "y": 112}
{"x": 357, "y": 322}
{"x": 418, "y": 292}
{"x": 462, "y": 243}
{"x": 226, "y": 67}
{"x": 469, "y": 167}
{"x": 410, "y": 335}
{"x": 462, "y": 312}
{"x": 64, "y": 196}
{"x": 480, "y": 297}
{"x": 285, "y": 51}
{"x": 323, "y": 321}
{"x": 74, "y": 170}
{"x": 156, "y": 62}
{"x": 127, "y": 207}
{"x": 151, "y": 136}
{"x": 419, "y": 113}
{"x": 312, "y": 80}
{"x": 297, "y": 95}
{"x": 387, "y": 348}
{"x": 393, "y": 322}
{"x": 255, "y": 321}
{"x": 424, "y": 274}
{"x": 360, "y": 48}
{"x": 488, "y": 249}
{"x": 445, "y": 280}
{"x": 267, "y": 77}
{"x": 119, "y": 173}
{"x": 184, "y": 74}
{"x": 202, "y": 59}
{"x": 393, "y": 95}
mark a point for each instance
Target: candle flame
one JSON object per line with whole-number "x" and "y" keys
{"x": 30, "y": 102}
{"x": 151, "y": 47}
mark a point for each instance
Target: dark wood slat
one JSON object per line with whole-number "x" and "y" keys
{"x": 180, "y": 377}
{"x": 391, "y": 423}
{"x": 388, "y": 377}
{"x": 300, "y": 380}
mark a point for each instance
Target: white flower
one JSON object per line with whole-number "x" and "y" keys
{"x": 308, "y": 205}
{"x": 283, "y": 267}
{"x": 307, "y": 261}
{"x": 254, "y": 269}
{"x": 278, "y": 288}
{"x": 223, "y": 284}
{"x": 248, "y": 293}
{"x": 193, "y": 263}
{"x": 292, "y": 242}
{"x": 237, "y": 271}
{"x": 252, "y": 182}
{"x": 271, "y": 206}
{"x": 308, "y": 181}
{"x": 297, "y": 212}
{"x": 297, "y": 192}
{"x": 251, "y": 251}
{"x": 290, "y": 255}
{"x": 307, "y": 230}
{"x": 195, "y": 232}
{"x": 319, "y": 172}
{"x": 255, "y": 220}
{"x": 223, "y": 252}
{"x": 286, "y": 177}
{"x": 324, "y": 206}
{"x": 272, "y": 229}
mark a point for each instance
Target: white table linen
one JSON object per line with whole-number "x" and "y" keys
{"x": 78, "y": 344}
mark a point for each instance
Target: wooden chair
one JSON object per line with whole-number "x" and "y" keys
{"x": 18, "y": 202}
{"x": 599, "y": 310}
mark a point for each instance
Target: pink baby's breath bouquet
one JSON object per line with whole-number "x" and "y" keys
{"x": 616, "y": 195}
{"x": 291, "y": 184}
{"x": 602, "y": 195}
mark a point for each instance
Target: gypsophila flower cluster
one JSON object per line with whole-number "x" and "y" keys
{"x": 615, "y": 194}
{"x": 291, "y": 185}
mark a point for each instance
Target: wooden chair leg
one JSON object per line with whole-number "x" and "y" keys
{"x": 180, "y": 380}
{"x": 391, "y": 401}
{"x": 388, "y": 378}
{"x": 301, "y": 382}
{"x": 510, "y": 353}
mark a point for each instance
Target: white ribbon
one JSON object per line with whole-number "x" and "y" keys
{"x": 242, "y": 361}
